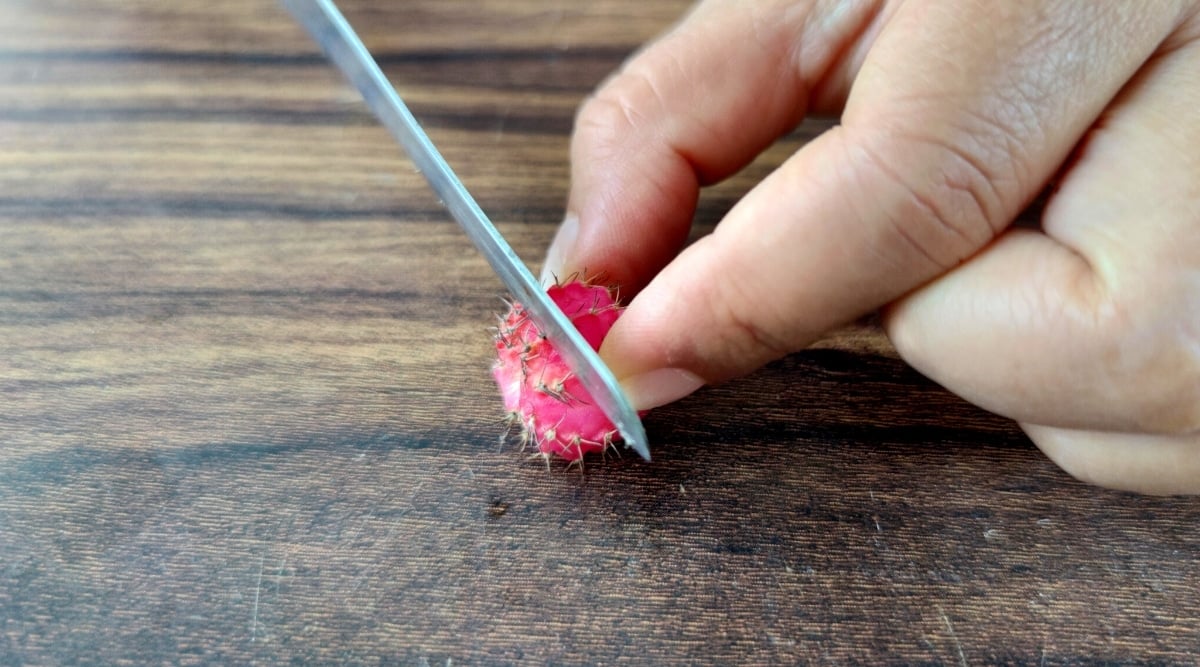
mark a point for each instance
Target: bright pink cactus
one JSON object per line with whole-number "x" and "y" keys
{"x": 554, "y": 410}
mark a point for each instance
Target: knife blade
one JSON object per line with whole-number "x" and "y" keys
{"x": 333, "y": 33}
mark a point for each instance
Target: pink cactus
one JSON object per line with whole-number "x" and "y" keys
{"x": 554, "y": 411}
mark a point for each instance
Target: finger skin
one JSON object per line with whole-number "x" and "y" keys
{"x": 688, "y": 110}
{"x": 956, "y": 115}
{"x": 960, "y": 114}
{"x": 1095, "y": 323}
{"x": 1092, "y": 329}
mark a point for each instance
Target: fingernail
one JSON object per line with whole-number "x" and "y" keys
{"x": 560, "y": 249}
{"x": 655, "y": 388}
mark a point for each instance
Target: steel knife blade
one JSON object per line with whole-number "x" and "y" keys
{"x": 333, "y": 33}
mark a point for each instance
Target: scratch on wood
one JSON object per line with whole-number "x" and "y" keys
{"x": 257, "y": 591}
{"x": 962, "y": 658}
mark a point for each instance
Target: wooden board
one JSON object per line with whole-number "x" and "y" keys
{"x": 246, "y": 414}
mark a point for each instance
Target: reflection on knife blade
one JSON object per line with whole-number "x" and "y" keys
{"x": 331, "y": 30}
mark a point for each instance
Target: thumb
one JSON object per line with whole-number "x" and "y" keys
{"x": 932, "y": 160}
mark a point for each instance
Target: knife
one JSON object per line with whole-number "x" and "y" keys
{"x": 333, "y": 33}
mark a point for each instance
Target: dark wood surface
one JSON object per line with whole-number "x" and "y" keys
{"x": 246, "y": 415}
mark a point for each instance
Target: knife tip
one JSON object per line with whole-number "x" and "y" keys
{"x": 635, "y": 439}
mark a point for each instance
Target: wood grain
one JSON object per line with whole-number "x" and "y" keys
{"x": 245, "y": 410}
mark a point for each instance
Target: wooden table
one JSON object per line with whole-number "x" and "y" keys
{"x": 246, "y": 412}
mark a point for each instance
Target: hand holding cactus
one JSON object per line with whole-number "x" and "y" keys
{"x": 955, "y": 116}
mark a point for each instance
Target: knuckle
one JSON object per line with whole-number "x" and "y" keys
{"x": 945, "y": 203}
{"x": 754, "y": 325}
{"x": 759, "y": 342}
{"x": 747, "y": 327}
{"x": 622, "y": 107}
{"x": 604, "y": 119}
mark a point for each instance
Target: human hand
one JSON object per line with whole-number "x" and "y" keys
{"x": 954, "y": 117}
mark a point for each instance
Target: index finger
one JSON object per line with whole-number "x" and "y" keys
{"x": 690, "y": 109}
